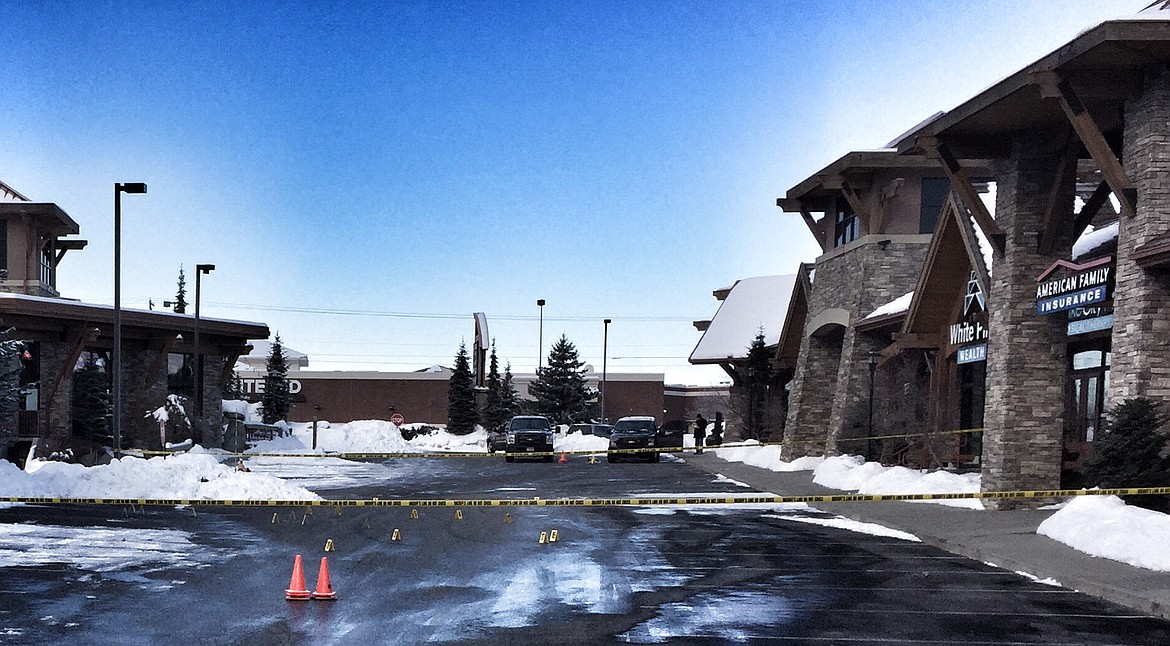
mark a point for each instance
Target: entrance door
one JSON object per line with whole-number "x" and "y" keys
{"x": 1088, "y": 383}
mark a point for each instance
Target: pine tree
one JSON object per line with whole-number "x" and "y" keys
{"x": 1129, "y": 450}
{"x": 495, "y": 414}
{"x": 10, "y": 367}
{"x": 276, "y": 400}
{"x": 509, "y": 398}
{"x": 753, "y": 390}
{"x": 461, "y": 409}
{"x": 233, "y": 388}
{"x": 560, "y": 390}
{"x": 181, "y": 296}
{"x": 92, "y": 406}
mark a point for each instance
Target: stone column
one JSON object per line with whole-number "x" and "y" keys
{"x": 56, "y": 416}
{"x": 141, "y": 398}
{"x": 810, "y": 402}
{"x": 1141, "y": 327}
{"x": 1026, "y": 363}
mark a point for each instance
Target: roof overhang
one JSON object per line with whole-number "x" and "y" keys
{"x": 1105, "y": 65}
{"x": 48, "y": 215}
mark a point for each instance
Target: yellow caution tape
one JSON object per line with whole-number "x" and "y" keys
{"x": 598, "y": 502}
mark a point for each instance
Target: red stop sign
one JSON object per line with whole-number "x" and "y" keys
{"x": 397, "y": 419}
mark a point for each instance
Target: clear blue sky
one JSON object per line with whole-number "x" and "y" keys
{"x": 365, "y": 176}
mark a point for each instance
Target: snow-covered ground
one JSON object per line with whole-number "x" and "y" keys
{"x": 1098, "y": 525}
{"x": 1102, "y": 526}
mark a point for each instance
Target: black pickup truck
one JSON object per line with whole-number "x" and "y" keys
{"x": 633, "y": 433}
{"x": 528, "y": 434}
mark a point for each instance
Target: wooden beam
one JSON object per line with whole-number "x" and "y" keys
{"x": 78, "y": 338}
{"x": 817, "y": 229}
{"x": 1053, "y": 86}
{"x": 908, "y": 340}
{"x": 1053, "y": 217}
{"x": 1090, "y": 209}
{"x": 858, "y": 208}
{"x": 162, "y": 352}
{"x": 962, "y": 185}
{"x": 231, "y": 355}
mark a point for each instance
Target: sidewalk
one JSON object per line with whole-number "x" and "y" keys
{"x": 1007, "y": 539}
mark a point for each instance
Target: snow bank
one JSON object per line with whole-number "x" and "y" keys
{"x": 1105, "y": 526}
{"x": 581, "y": 442}
{"x": 196, "y": 475}
{"x": 853, "y": 473}
{"x": 765, "y": 457}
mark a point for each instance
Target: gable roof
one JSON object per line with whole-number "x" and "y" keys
{"x": 752, "y": 305}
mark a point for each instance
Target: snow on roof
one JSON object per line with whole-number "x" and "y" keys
{"x": 262, "y": 349}
{"x": 752, "y": 304}
{"x": 985, "y": 248}
{"x": 896, "y": 306}
{"x": 1093, "y": 239}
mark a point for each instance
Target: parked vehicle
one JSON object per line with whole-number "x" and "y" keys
{"x": 633, "y": 433}
{"x": 600, "y": 430}
{"x": 528, "y": 434}
{"x": 672, "y": 432}
{"x": 497, "y": 440}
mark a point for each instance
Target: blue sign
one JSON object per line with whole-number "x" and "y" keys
{"x": 1084, "y": 326}
{"x": 1071, "y": 301}
{"x": 972, "y": 353}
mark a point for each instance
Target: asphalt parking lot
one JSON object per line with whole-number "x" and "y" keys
{"x": 480, "y": 575}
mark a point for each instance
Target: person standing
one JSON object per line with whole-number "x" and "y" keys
{"x": 700, "y": 432}
{"x": 717, "y": 430}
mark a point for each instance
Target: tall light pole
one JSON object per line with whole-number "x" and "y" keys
{"x": 133, "y": 188}
{"x": 540, "y": 334}
{"x": 604, "y": 358}
{"x": 207, "y": 432}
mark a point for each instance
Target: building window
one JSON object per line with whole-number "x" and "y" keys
{"x": 934, "y": 194}
{"x": 848, "y": 225}
{"x": 4, "y": 247}
{"x": 47, "y": 273}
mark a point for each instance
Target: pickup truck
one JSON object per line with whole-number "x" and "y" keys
{"x": 528, "y": 434}
{"x": 633, "y": 433}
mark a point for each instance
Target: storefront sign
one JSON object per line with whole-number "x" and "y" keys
{"x": 1070, "y": 301}
{"x": 256, "y": 386}
{"x": 968, "y": 332}
{"x": 1089, "y": 283}
{"x": 1084, "y": 326}
{"x": 972, "y": 353}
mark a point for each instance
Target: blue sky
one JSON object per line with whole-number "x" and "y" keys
{"x": 365, "y": 176}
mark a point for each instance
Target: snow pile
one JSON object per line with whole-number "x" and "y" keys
{"x": 581, "y": 442}
{"x": 765, "y": 457}
{"x": 196, "y": 475}
{"x": 1105, "y": 526}
{"x": 441, "y": 441}
{"x": 853, "y": 473}
{"x": 250, "y": 412}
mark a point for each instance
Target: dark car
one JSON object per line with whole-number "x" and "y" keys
{"x": 497, "y": 440}
{"x": 633, "y": 433}
{"x": 528, "y": 434}
{"x": 672, "y": 432}
{"x": 600, "y": 430}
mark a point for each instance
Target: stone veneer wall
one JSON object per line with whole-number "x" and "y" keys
{"x": 59, "y": 412}
{"x": 1026, "y": 362}
{"x": 1141, "y": 328}
{"x": 830, "y": 392}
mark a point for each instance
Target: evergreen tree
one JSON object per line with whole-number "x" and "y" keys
{"x": 233, "y": 388}
{"x": 495, "y": 414}
{"x": 752, "y": 401}
{"x": 92, "y": 405}
{"x": 276, "y": 399}
{"x": 176, "y": 424}
{"x": 181, "y": 296}
{"x": 560, "y": 390}
{"x": 509, "y": 398}
{"x": 1129, "y": 451}
{"x": 461, "y": 409}
{"x": 10, "y": 367}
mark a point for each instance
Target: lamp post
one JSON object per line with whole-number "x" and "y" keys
{"x": 540, "y": 334}
{"x": 207, "y": 432}
{"x": 133, "y": 188}
{"x": 873, "y": 356}
{"x": 604, "y": 357}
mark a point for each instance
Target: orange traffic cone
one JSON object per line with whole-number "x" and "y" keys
{"x": 564, "y": 458}
{"x": 324, "y": 589}
{"x": 296, "y": 586}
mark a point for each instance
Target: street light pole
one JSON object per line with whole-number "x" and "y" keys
{"x": 604, "y": 358}
{"x": 207, "y": 432}
{"x": 540, "y": 336}
{"x": 133, "y": 188}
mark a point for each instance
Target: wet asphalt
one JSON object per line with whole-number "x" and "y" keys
{"x": 614, "y": 575}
